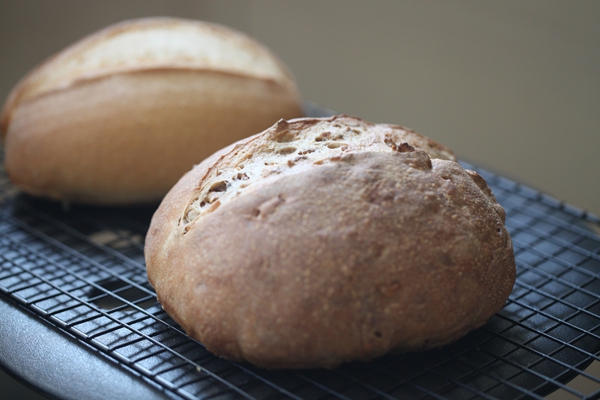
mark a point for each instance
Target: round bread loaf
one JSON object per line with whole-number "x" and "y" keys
{"x": 121, "y": 115}
{"x": 321, "y": 241}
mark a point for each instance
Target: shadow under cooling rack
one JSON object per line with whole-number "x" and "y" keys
{"x": 81, "y": 271}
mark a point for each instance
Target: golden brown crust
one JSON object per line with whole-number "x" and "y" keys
{"x": 109, "y": 122}
{"x": 348, "y": 259}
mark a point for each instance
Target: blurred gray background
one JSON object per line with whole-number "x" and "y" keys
{"x": 511, "y": 85}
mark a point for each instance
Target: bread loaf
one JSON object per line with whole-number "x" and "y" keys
{"x": 321, "y": 241}
{"x": 121, "y": 115}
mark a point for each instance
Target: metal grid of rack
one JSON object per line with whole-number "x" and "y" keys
{"x": 82, "y": 270}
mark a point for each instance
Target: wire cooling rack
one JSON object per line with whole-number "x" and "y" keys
{"x": 82, "y": 271}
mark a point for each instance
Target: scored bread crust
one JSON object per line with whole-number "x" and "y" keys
{"x": 121, "y": 115}
{"x": 326, "y": 256}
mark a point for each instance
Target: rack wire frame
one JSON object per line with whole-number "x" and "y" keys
{"x": 82, "y": 270}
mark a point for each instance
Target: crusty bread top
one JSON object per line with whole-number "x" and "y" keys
{"x": 150, "y": 44}
{"x": 291, "y": 147}
{"x": 321, "y": 241}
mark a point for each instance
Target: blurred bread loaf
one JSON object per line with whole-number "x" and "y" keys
{"x": 321, "y": 241}
{"x": 119, "y": 116}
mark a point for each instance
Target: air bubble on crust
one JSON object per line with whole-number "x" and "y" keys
{"x": 335, "y": 145}
{"x": 240, "y": 176}
{"x": 284, "y": 137}
{"x": 210, "y": 198}
{"x": 404, "y": 147}
{"x": 208, "y": 203}
{"x": 323, "y": 137}
{"x": 282, "y": 133}
{"x": 388, "y": 140}
{"x": 287, "y": 150}
{"x": 192, "y": 214}
{"x": 220, "y": 186}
